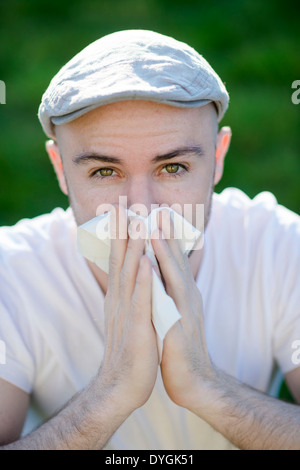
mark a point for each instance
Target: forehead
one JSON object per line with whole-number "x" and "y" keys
{"x": 138, "y": 123}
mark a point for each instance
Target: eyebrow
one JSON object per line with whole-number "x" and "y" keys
{"x": 193, "y": 150}
{"x": 95, "y": 157}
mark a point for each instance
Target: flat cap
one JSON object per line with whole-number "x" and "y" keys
{"x": 131, "y": 65}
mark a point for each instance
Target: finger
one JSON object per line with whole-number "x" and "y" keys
{"x": 118, "y": 245}
{"x": 157, "y": 271}
{"x": 135, "y": 249}
{"x": 142, "y": 296}
{"x": 166, "y": 226}
{"x": 175, "y": 280}
{"x": 165, "y": 259}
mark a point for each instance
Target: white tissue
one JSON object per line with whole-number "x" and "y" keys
{"x": 93, "y": 240}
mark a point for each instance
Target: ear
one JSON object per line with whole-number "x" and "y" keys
{"x": 223, "y": 142}
{"x": 54, "y": 155}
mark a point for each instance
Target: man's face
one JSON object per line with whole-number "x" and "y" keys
{"x": 150, "y": 153}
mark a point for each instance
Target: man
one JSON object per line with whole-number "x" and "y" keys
{"x": 135, "y": 114}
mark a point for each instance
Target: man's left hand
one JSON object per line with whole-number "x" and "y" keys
{"x": 185, "y": 362}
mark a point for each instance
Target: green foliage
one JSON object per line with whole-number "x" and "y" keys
{"x": 285, "y": 394}
{"x": 254, "y": 46}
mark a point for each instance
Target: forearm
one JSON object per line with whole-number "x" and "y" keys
{"x": 248, "y": 418}
{"x": 86, "y": 422}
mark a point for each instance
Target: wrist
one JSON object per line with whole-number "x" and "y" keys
{"x": 110, "y": 400}
{"x": 201, "y": 398}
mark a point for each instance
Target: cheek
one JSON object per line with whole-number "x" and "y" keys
{"x": 87, "y": 203}
{"x": 85, "y": 197}
{"x": 199, "y": 195}
{"x": 191, "y": 202}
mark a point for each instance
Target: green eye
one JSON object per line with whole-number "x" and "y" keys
{"x": 172, "y": 168}
{"x": 106, "y": 171}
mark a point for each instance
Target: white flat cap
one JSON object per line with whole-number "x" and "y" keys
{"x": 131, "y": 65}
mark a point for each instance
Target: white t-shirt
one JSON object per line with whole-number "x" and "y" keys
{"x": 52, "y": 319}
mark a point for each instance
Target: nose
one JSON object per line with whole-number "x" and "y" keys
{"x": 141, "y": 195}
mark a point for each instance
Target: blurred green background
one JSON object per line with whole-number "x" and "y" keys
{"x": 253, "y": 45}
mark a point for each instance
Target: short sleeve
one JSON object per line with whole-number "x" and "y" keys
{"x": 17, "y": 364}
{"x": 287, "y": 289}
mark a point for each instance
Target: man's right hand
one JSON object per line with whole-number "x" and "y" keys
{"x": 128, "y": 372}
{"x": 130, "y": 361}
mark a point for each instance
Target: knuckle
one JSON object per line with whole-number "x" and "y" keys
{"x": 182, "y": 290}
{"x": 114, "y": 263}
{"x": 136, "y": 244}
{"x": 123, "y": 279}
{"x": 109, "y": 302}
{"x": 181, "y": 286}
{"x": 139, "y": 306}
{"x": 135, "y": 305}
{"x": 183, "y": 264}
